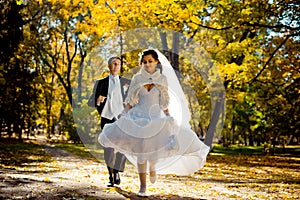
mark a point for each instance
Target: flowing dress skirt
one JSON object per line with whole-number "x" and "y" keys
{"x": 146, "y": 134}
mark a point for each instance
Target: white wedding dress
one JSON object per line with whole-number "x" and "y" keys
{"x": 145, "y": 133}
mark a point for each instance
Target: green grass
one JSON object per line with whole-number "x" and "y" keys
{"x": 14, "y": 153}
{"x": 80, "y": 150}
{"x": 19, "y": 154}
{"x": 237, "y": 150}
{"x": 255, "y": 150}
{"x": 77, "y": 149}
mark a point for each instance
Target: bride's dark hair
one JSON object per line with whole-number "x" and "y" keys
{"x": 153, "y": 54}
{"x": 149, "y": 52}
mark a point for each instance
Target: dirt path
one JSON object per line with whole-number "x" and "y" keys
{"x": 69, "y": 177}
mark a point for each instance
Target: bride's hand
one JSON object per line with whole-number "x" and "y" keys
{"x": 123, "y": 113}
{"x": 167, "y": 113}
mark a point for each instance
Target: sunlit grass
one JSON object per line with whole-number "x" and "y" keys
{"x": 81, "y": 150}
{"x": 17, "y": 154}
{"x": 254, "y": 150}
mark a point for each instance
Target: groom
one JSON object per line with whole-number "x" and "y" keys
{"x": 109, "y": 95}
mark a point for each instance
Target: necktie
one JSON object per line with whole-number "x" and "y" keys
{"x": 116, "y": 99}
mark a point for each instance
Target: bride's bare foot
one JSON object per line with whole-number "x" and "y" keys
{"x": 153, "y": 176}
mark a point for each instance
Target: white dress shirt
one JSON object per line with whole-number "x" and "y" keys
{"x": 114, "y": 102}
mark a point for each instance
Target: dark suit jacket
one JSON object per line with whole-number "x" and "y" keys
{"x": 101, "y": 88}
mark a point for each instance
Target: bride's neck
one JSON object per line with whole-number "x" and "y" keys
{"x": 150, "y": 72}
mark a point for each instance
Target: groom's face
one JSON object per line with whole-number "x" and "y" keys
{"x": 114, "y": 67}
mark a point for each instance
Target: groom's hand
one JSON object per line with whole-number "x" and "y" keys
{"x": 100, "y": 99}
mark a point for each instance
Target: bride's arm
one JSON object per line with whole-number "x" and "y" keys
{"x": 125, "y": 111}
{"x": 164, "y": 99}
{"x": 129, "y": 99}
{"x": 127, "y": 107}
{"x": 132, "y": 95}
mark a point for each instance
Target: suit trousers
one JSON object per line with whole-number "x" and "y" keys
{"x": 116, "y": 162}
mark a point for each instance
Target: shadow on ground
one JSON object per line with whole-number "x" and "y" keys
{"x": 134, "y": 196}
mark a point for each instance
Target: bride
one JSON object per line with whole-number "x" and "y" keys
{"x": 153, "y": 130}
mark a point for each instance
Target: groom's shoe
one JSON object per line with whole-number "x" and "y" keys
{"x": 117, "y": 179}
{"x": 141, "y": 194}
{"x": 111, "y": 182}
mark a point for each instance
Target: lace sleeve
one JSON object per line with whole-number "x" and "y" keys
{"x": 164, "y": 98}
{"x": 132, "y": 98}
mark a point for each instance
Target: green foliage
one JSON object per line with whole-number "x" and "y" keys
{"x": 68, "y": 128}
{"x": 254, "y": 44}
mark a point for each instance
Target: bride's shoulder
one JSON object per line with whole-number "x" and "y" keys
{"x": 137, "y": 77}
{"x": 163, "y": 77}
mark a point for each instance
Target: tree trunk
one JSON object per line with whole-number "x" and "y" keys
{"x": 121, "y": 53}
{"x": 214, "y": 120}
{"x": 18, "y": 131}
{"x": 163, "y": 38}
{"x": 175, "y": 53}
{"x": 259, "y": 140}
{"x": 49, "y": 97}
{"x": 9, "y": 129}
{"x": 80, "y": 72}
{"x": 251, "y": 142}
{"x": 245, "y": 140}
{"x": 1, "y": 128}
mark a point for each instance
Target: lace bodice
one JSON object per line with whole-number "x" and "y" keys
{"x": 148, "y": 104}
{"x": 138, "y": 82}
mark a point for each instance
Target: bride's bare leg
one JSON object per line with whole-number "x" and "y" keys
{"x": 152, "y": 171}
{"x": 142, "y": 175}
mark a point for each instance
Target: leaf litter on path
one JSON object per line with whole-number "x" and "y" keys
{"x": 66, "y": 176}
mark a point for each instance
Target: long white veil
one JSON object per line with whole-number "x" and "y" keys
{"x": 178, "y": 107}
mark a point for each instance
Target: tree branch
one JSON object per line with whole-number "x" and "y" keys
{"x": 270, "y": 26}
{"x": 247, "y": 24}
{"x": 269, "y": 60}
{"x": 211, "y": 28}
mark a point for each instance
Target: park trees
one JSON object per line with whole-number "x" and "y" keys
{"x": 253, "y": 43}
{"x": 19, "y": 94}
{"x": 60, "y": 35}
